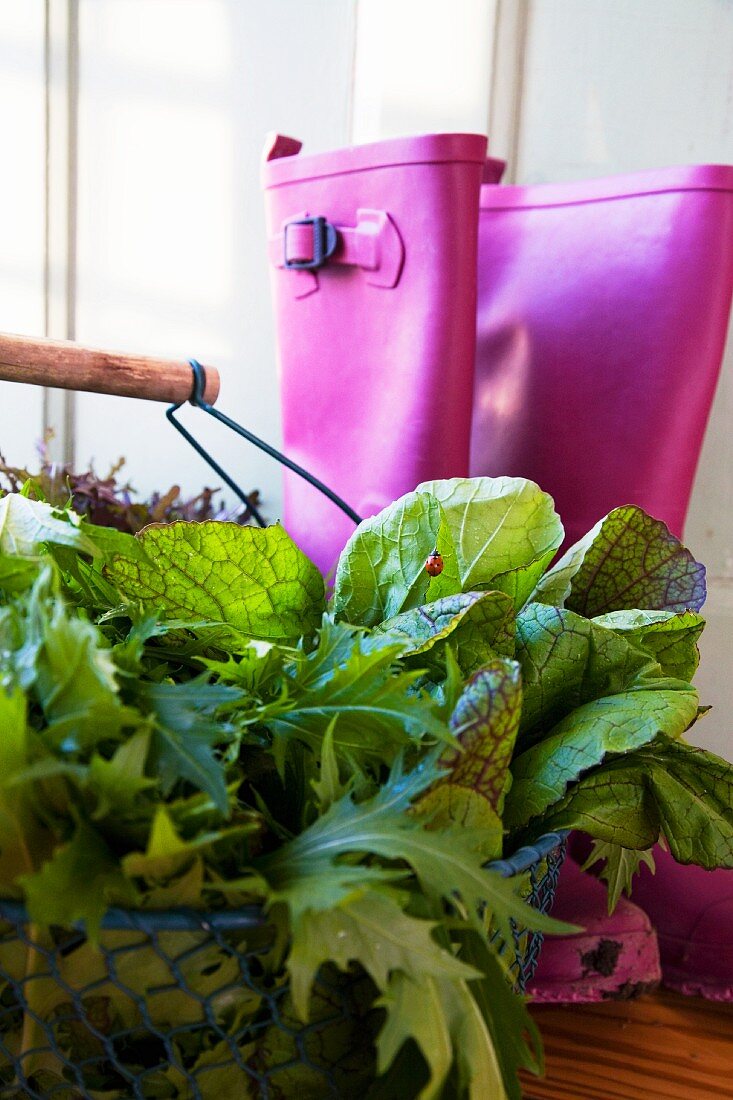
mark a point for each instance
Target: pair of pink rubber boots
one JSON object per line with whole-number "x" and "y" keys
{"x": 602, "y": 310}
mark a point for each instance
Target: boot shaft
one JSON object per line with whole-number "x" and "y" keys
{"x": 375, "y": 310}
{"x": 602, "y": 316}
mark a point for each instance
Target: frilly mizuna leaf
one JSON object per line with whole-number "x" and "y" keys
{"x": 448, "y": 1022}
{"x": 373, "y": 931}
{"x": 381, "y": 570}
{"x": 628, "y": 560}
{"x": 505, "y": 531}
{"x": 619, "y": 865}
{"x": 26, "y": 524}
{"x": 78, "y": 883}
{"x": 480, "y": 625}
{"x": 485, "y": 722}
{"x": 669, "y": 637}
{"x": 256, "y": 580}
{"x": 614, "y": 724}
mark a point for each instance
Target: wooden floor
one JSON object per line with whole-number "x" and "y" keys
{"x": 661, "y": 1047}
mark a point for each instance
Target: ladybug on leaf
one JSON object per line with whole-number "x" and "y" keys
{"x": 434, "y": 563}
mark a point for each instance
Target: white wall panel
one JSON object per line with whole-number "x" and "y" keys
{"x": 22, "y": 189}
{"x": 175, "y": 102}
{"x": 615, "y": 87}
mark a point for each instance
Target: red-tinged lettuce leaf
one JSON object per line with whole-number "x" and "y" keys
{"x": 78, "y": 883}
{"x": 609, "y": 726}
{"x": 628, "y": 560}
{"x": 381, "y": 571}
{"x": 669, "y": 637}
{"x": 505, "y": 531}
{"x": 255, "y": 580}
{"x": 479, "y": 624}
{"x": 485, "y": 722}
{"x": 568, "y": 660}
{"x": 669, "y": 788}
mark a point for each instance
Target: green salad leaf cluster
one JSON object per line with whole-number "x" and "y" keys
{"x": 187, "y": 720}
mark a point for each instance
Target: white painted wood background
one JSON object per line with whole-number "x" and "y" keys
{"x": 131, "y": 215}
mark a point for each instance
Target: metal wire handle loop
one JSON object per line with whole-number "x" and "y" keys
{"x": 197, "y": 399}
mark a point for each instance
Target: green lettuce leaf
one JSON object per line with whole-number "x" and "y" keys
{"x": 16, "y": 574}
{"x": 628, "y": 560}
{"x": 669, "y": 637}
{"x": 568, "y": 660}
{"x": 612, "y": 725}
{"x": 684, "y": 793}
{"x": 485, "y": 722}
{"x": 479, "y": 624}
{"x": 381, "y": 570}
{"x": 255, "y": 580}
{"x": 25, "y": 525}
{"x": 505, "y": 531}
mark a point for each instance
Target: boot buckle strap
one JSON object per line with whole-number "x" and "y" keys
{"x": 374, "y": 244}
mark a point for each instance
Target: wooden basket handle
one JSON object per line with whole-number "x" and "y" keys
{"x": 69, "y": 366}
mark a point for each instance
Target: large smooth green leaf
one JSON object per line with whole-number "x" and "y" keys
{"x": 479, "y": 624}
{"x": 669, "y": 637}
{"x": 381, "y": 570}
{"x": 26, "y": 524}
{"x": 568, "y": 660}
{"x": 684, "y": 792}
{"x": 628, "y": 560}
{"x": 612, "y": 725}
{"x": 255, "y": 580}
{"x": 505, "y": 531}
{"x": 485, "y": 722}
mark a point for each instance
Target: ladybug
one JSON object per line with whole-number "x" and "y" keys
{"x": 434, "y": 563}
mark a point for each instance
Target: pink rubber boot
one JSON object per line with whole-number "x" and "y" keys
{"x": 614, "y": 957}
{"x": 692, "y": 910}
{"x": 602, "y": 316}
{"x": 373, "y": 262}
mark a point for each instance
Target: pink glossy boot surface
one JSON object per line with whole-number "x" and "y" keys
{"x": 614, "y": 957}
{"x": 602, "y": 315}
{"x": 692, "y": 912}
{"x": 375, "y": 307}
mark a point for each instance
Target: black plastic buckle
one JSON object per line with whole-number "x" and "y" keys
{"x": 325, "y": 239}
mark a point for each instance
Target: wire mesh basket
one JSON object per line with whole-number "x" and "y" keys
{"x": 179, "y": 1004}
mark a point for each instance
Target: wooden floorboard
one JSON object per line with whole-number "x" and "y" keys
{"x": 661, "y": 1047}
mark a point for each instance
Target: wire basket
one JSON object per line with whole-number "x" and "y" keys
{"x": 178, "y": 1004}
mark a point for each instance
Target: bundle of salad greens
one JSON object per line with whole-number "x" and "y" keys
{"x": 185, "y": 721}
